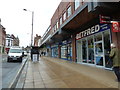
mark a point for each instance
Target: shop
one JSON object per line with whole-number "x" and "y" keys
{"x": 93, "y": 46}
{"x": 66, "y": 50}
{"x": 54, "y": 51}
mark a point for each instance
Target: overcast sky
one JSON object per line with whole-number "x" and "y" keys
{"x": 18, "y": 22}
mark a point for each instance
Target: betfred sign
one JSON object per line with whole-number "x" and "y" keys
{"x": 92, "y": 30}
{"x": 116, "y": 26}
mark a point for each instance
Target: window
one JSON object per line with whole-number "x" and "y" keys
{"x": 69, "y": 11}
{"x": 57, "y": 25}
{"x": 60, "y": 20}
{"x": 84, "y": 50}
{"x": 90, "y": 50}
{"x": 77, "y": 4}
{"x": 64, "y": 16}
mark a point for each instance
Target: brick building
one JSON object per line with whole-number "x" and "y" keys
{"x": 82, "y": 32}
{"x": 11, "y": 40}
{"x": 2, "y": 38}
{"x": 36, "y": 40}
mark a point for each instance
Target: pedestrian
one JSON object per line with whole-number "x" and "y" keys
{"x": 115, "y": 56}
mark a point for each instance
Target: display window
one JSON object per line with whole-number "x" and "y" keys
{"x": 94, "y": 49}
{"x": 55, "y": 52}
{"x": 107, "y": 41}
{"x": 90, "y": 50}
{"x": 69, "y": 52}
{"x": 66, "y": 52}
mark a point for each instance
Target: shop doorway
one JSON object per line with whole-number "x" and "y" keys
{"x": 99, "y": 55}
{"x": 79, "y": 51}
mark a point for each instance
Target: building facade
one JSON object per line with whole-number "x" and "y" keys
{"x": 36, "y": 40}
{"x": 82, "y": 32}
{"x": 11, "y": 40}
{"x": 2, "y": 38}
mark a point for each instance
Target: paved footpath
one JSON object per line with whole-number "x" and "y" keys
{"x": 57, "y": 73}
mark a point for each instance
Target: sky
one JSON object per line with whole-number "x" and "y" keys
{"x": 19, "y": 22}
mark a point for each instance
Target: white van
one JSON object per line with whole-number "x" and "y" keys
{"x": 15, "y": 54}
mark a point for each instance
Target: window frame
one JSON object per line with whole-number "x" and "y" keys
{"x": 69, "y": 11}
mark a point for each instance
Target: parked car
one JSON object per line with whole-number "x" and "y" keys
{"x": 15, "y": 54}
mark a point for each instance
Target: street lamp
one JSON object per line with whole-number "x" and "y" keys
{"x": 32, "y": 25}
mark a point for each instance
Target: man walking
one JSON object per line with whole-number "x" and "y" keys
{"x": 115, "y": 56}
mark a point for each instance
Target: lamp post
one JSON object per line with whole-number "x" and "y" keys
{"x": 32, "y": 25}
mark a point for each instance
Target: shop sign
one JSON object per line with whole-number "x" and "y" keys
{"x": 104, "y": 19}
{"x": 94, "y": 29}
{"x": 116, "y": 26}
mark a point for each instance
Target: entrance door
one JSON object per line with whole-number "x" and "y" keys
{"x": 99, "y": 53}
{"x": 79, "y": 51}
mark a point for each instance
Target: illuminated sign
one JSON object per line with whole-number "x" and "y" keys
{"x": 116, "y": 26}
{"x": 92, "y": 30}
{"x": 104, "y": 19}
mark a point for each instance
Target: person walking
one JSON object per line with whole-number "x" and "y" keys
{"x": 115, "y": 56}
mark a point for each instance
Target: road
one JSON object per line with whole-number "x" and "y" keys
{"x": 9, "y": 70}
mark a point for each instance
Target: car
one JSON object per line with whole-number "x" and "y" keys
{"x": 15, "y": 54}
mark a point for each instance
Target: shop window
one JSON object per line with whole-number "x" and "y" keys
{"x": 98, "y": 37}
{"x": 55, "y": 52}
{"x": 84, "y": 50}
{"x": 90, "y": 50}
{"x": 79, "y": 51}
{"x": 64, "y": 52}
{"x": 69, "y": 52}
{"x": 99, "y": 53}
{"x": 69, "y": 11}
{"x": 108, "y": 61}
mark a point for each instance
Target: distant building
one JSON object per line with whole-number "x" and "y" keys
{"x": 36, "y": 40}
{"x": 2, "y": 38}
{"x": 15, "y": 40}
{"x": 11, "y": 40}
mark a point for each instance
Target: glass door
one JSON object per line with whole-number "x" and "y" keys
{"x": 99, "y": 53}
{"x": 107, "y": 41}
{"x": 90, "y": 50}
{"x": 79, "y": 51}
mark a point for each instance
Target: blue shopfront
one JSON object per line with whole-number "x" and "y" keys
{"x": 54, "y": 50}
{"x": 66, "y": 50}
{"x": 93, "y": 46}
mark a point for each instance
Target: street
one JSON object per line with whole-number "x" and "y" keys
{"x": 55, "y": 73}
{"x": 9, "y": 70}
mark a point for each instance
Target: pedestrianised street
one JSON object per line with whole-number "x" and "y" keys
{"x": 56, "y": 73}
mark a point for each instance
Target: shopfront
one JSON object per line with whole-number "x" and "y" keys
{"x": 66, "y": 50}
{"x": 93, "y": 46}
{"x": 54, "y": 51}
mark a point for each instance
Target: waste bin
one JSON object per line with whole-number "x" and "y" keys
{"x": 35, "y": 53}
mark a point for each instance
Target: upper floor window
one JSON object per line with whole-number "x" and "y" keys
{"x": 64, "y": 16}
{"x": 77, "y": 4}
{"x": 54, "y": 28}
{"x": 60, "y": 20}
{"x": 57, "y": 24}
{"x": 69, "y": 11}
